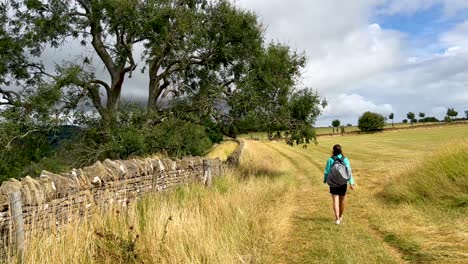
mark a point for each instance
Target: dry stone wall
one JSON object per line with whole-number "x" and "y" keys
{"x": 235, "y": 158}
{"x": 52, "y": 200}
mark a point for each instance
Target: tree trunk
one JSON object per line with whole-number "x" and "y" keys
{"x": 113, "y": 96}
{"x": 156, "y": 87}
{"x": 153, "y": 95}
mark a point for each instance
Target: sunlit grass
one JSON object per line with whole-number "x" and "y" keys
{"x": 222, "y": 150}
{"x": 241, "y": 219}
{"x": 423, "y": 176}
{"x": 275, "y": 209}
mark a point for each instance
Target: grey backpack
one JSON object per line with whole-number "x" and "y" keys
{"x": 339, "y": 173}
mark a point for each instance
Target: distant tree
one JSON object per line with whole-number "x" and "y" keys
{"x": 349, "y": 125}
{"x": 414, "y": 120}
{"x": 422, "y": 115}
{"x": 429, "y": 119}
{"x": 391, "y": 117}
{"x": 336, "y": 123}
{"x": 405, "y": 121}
{"x": 451, "y": 113}
{"x": 466, "y": 114}
{"x": 370, "y": 121}
{"x": 411, "y": 117}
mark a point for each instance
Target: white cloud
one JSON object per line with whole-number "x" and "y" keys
{"x": 347, "y": 107}
{"x": 360, "y": 66}
{"x": 358, "y": 55}
{"x": 457, "y": 38}
{"x": 409, "y": 7}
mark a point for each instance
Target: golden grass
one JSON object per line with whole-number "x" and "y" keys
{"x": 429, "y": 224}
{"x": 222, "y": 150}
{"x": 241, "y": 219}
{"x": 275, "y": 209}
{"x": 441, "y": 179}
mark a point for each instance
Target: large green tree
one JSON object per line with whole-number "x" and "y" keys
{"x": 304, "y": 107}
{"x": 261, "y": 98}
{"x": 109, "y": 26}
{"x": 202, "y": 50}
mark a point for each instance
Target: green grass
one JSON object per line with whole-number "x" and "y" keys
{"x": 275, "y": 209}
{"x": 422, "y": 176}
{"x": 440, "y": 179}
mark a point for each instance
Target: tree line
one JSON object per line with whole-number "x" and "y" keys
{"x": 370, "y": 121}
{"x": 373, "y": 121}
{"x": 210, "y": 73}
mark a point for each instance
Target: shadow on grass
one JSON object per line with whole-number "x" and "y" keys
{"x": 252, "y": 171}
{"x": 318, "y": 220}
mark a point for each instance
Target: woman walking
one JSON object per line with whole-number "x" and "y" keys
{"x": 337, "y": 175}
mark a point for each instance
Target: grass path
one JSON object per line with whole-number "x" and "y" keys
{"x": 314, "y": 238}
{"x": 373, "y": 230}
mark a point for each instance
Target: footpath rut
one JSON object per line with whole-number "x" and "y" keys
{"x": 313, "y": 237}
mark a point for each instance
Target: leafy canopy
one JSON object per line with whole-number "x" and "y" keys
{"x": 369, "y": 122}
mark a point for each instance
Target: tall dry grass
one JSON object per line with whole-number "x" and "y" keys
{"x": 241, "y": 219}
{"x": 425, "y": 208}
{"x": 440, "y": 179}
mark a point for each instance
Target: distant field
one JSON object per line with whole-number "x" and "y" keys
{"x": 329, "y": 130}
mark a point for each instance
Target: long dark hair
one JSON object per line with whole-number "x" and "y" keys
{"x": 337, "y": 150}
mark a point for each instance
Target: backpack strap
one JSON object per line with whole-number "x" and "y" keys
{"x": 336, "y": 159}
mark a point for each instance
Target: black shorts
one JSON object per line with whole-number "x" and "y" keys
{"x": 341, "y": 191}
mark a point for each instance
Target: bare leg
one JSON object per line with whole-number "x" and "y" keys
{"x": 342, "y": 205}
{"x": 336, "y": 206}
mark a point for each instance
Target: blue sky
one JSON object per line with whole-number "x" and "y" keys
{"x": 422, "y": 27}
{"x": 376, "y": 55}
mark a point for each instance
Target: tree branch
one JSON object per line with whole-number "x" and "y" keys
{"x": 9, "y": 96}
{"x": 96, "y": 32}
{"x": 8, "y": 145}
{"x": 103, "y": 84}
{"x": 40, "y": 70}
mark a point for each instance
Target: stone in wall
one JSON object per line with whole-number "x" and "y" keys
{"x": 169, "y": 164}
{"x": 116, "y": 168}
{"x": 132, "y": 168}
{"x": 97, "y": 174}
{"x": 32, "y": 191}
{"x": 63, "y": 185}
{"x": 79, "y": 177}
{"x": 10, "y": 186}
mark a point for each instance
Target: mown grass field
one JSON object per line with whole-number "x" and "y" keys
{"x": 328, "y": 130}
{"x": 409, "y": 206}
